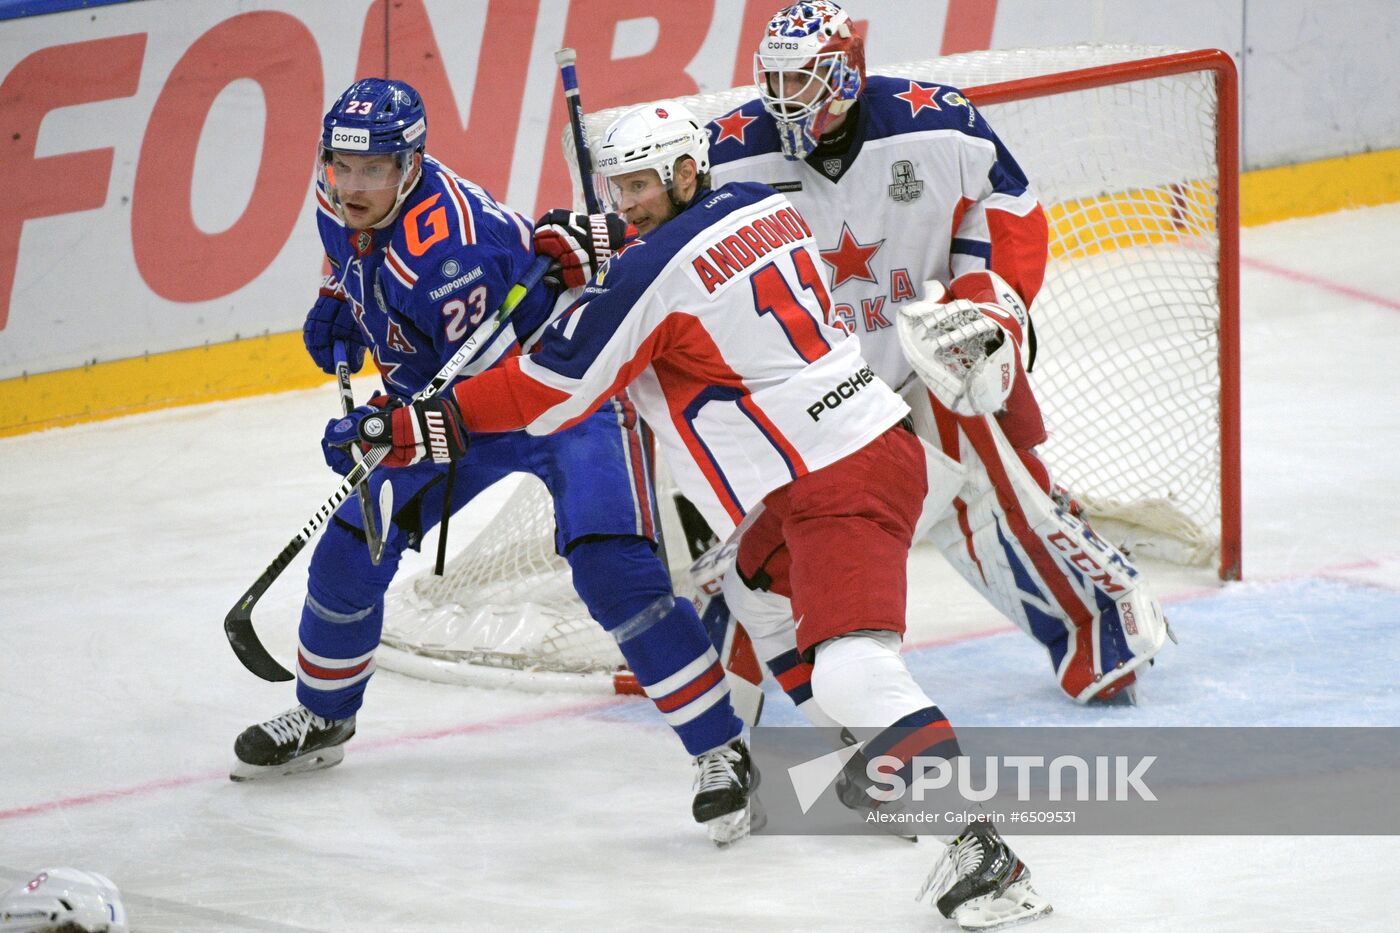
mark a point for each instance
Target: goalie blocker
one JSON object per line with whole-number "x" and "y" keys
{"x": 1045, "y": 569}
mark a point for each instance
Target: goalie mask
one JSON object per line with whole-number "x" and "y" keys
{"x": 368, "y": 141}
{"x": 63, "y": 898}
{"x": 809, "y": 68}
{"x": 652, "y": 136}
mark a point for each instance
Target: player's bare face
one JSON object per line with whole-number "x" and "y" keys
{"x": 367, "y": 185}
{"x": 642, "y": 199}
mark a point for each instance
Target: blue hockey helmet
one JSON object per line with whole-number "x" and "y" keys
{"x": 373, "y": 117}
{"x": 376, "y": 115}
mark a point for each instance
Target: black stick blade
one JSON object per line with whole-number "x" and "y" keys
{"x": 245, "y": 643}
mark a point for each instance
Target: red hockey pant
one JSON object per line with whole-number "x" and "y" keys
{"x": 836, "y": 541}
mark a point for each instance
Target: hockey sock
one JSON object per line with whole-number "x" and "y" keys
{"x": 924, "y": 733}
{"x": 340, "y": 623}
{"x": 628, "y": 591}
{"x": 794, "y": 675}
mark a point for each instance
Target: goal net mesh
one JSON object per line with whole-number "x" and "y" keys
{"x": 1128, "y": 373}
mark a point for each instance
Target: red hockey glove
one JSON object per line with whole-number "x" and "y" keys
{"x": 431, "y": 429}
{"x": 578, "y": 244}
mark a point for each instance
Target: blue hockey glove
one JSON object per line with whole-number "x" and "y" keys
{"x": 330, "y": 320}
{"x": 342, "y": 432}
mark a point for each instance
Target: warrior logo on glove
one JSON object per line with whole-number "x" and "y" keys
{"x": 430, "y": 429}
{"x": 578, "y": 244}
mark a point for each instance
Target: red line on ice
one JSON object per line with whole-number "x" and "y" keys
{"x": 151, "y": 787}
{"x": 1320, "y": 282}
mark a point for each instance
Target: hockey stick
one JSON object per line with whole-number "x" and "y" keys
{"x": 347, "y": 405}
{"x": 583, "y": 150}
{"x": 238, "y": 624}
{"x": 583, "y": 159}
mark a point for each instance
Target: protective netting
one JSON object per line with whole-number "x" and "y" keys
{"x": 1128, "y": 322}
{"x": 505, "y": 601}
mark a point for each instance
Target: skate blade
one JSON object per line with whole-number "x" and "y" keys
{"x": 726, "y": 830}
{"x": 1018, "y": 904}
{"x": 315, "y": 761}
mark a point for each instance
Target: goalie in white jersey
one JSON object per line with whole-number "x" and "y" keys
{"x": 907, "y": 190}
{"x": 715, "y": 317}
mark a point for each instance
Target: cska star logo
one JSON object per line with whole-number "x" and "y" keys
{"x": 732, "y": 127}
{"x": 850, "y": 259}
{"x": 919, "y": 97}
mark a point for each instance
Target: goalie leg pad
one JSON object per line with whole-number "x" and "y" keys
{"x": 1046, "y": 570}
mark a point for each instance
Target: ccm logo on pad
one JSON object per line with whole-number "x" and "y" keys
{"x": 348, "y": 138}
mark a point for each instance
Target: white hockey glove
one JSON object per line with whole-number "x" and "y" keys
{"x": 963, "y": 343}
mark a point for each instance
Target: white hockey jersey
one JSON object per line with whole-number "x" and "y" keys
{"x": 716, "y": 320}
{"x": 925, "y": 191}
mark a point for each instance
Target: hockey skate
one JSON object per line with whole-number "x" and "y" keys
{"x": 852, "y": 785}
{"x": 296, "y": 741}
{"x": 980, "y": 884}
{"x": 722, "y": 786}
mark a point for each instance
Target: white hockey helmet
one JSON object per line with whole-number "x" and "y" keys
{"x": 652, "y": 136}
{"x": 809, "y": 67}
{"x": 63, "y": 898}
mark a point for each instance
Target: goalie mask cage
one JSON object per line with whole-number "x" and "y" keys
{"x": 1133, "y": 153}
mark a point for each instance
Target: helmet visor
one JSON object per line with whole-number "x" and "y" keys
{"x": 621, "y": 192}
{"x": 346, "y": 171}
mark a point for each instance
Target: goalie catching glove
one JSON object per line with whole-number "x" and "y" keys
{"x": 430, "y": 429}
{"x": 578, "y": 244}
{"x": 964, "y": 340}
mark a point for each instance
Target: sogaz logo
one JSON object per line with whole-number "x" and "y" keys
{"x": 344, "y": 137}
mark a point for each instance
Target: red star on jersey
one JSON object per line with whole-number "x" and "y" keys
{"x": 387, "y": 371}
{"x": 850, "y": 259}
{"x": 919, "y": 97}
{"x": 732, "y": 127}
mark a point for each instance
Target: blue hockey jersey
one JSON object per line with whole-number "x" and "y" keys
{"x": 421, "y": 286}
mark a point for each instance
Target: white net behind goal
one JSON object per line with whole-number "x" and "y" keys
{"x": 1130, "y": 322}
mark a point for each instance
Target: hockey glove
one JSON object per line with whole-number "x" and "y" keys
{"x": 330, "y": 320}
{"x": 430, "y": 429}
{"x": 342, "y": 432}
{"x": 578, "y": 244}
{"x": 964, "y": 345}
